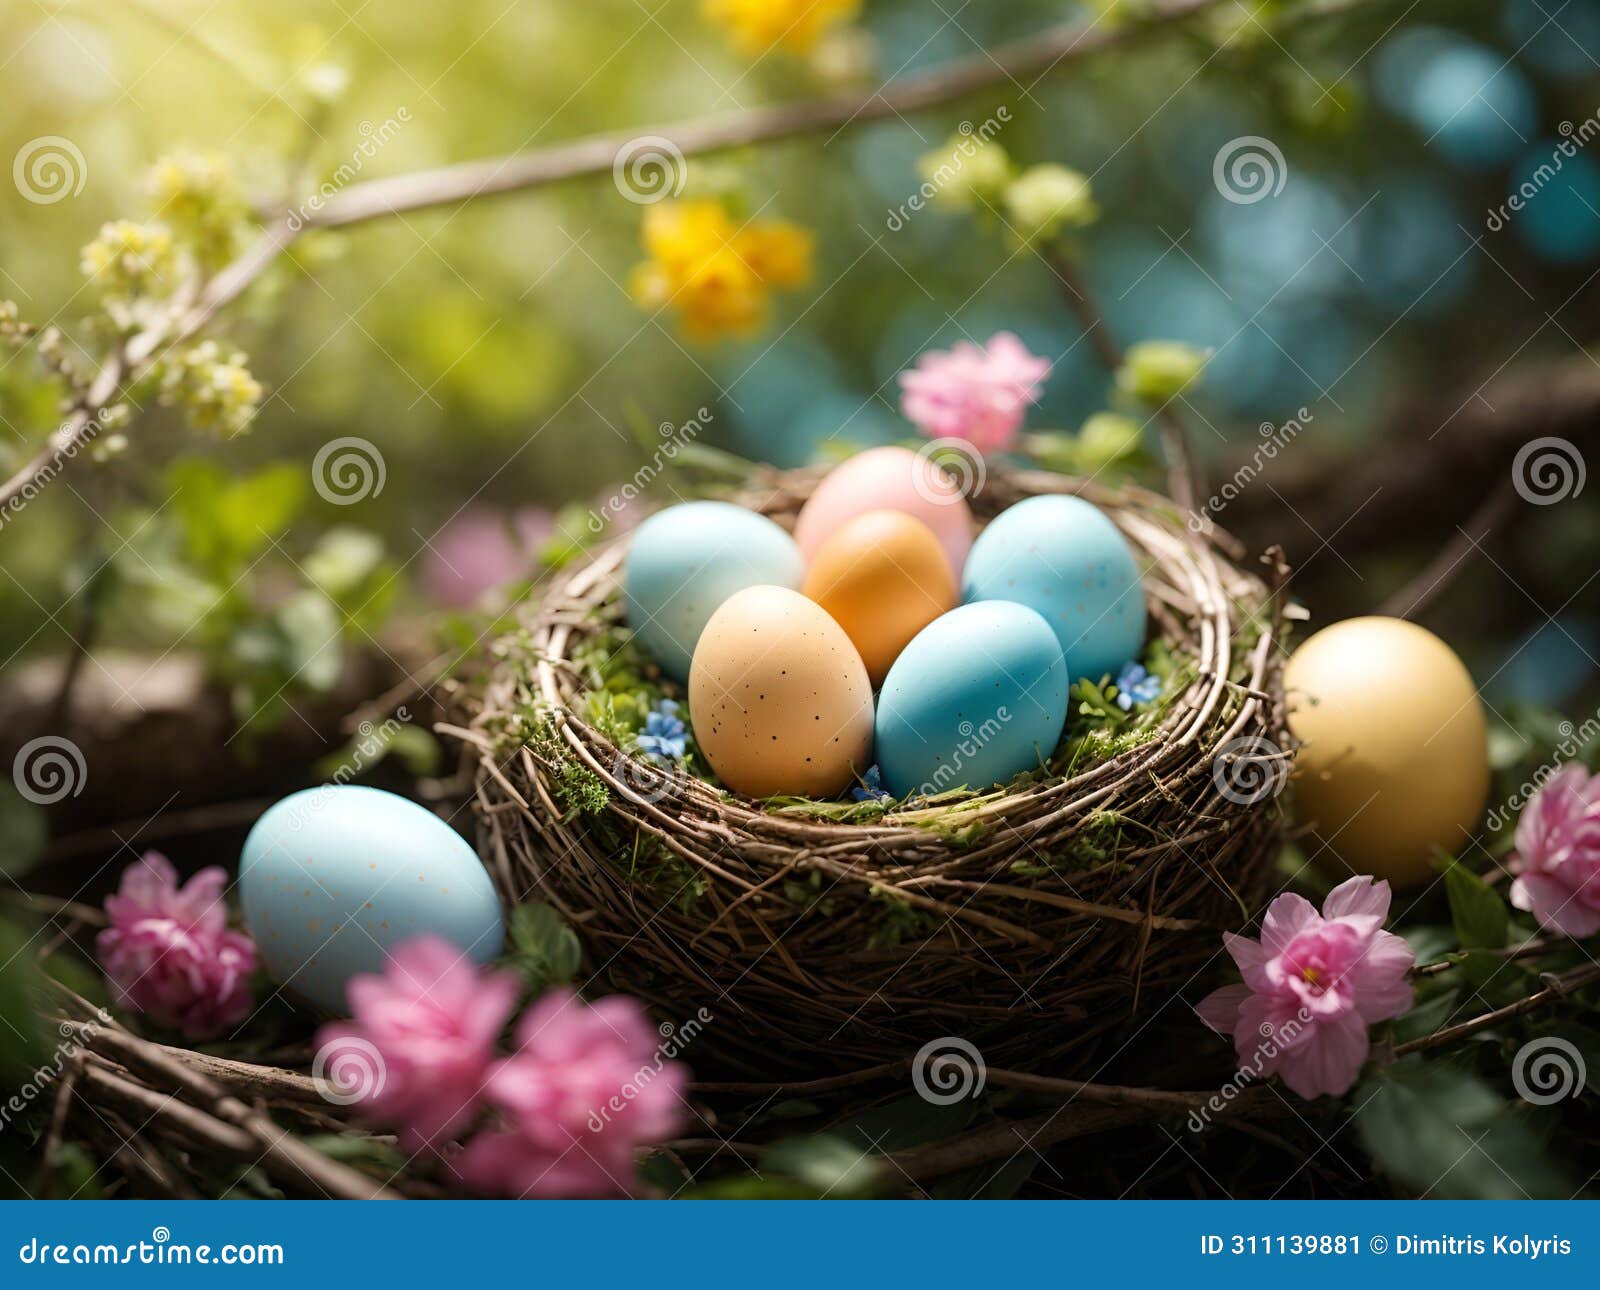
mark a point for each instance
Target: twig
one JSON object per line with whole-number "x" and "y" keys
{"x": 1447, "y": 565}
{"x": 1021, "y": 61}
{"x": 1182, "y": 469}
{"x": 1556, "y": 987}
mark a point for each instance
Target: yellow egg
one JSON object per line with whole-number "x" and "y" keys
{"x": 1395, "y": 762}
{"x": 779, "y": 697}
{"x": 883, "y": 577}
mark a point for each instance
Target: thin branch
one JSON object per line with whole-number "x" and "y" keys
{"x": 1182, "y": 469}
{"x": 1492, "y": 513}
{"x": 1556, "y": 987}
{"x": 1023, "y": 61}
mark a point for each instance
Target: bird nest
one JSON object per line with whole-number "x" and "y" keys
{"x": 1028, "y": 921}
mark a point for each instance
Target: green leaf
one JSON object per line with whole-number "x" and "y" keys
{"x": 543, "y": 948}
{"x": 828, "y": 1164}
{"x": 23, "y": 832}
{"x": 343, "y": 559}
{"x": 1443, "y": 1133}
{"x": 1427, "y": 1017}
{"x": 310, "y": 626}
{"x": 1481, "y": 918}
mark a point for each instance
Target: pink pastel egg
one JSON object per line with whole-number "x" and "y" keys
{"x": 888, "y": 479}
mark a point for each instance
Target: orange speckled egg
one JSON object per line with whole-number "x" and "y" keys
{"x": 780, "y": 698}
{"x": 888, "y": 479}
{"x": 883, "y": 577}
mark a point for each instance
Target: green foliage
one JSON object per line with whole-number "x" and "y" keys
{"x": 1444, "y": 1133}
{"x": 1481, "y": 918}
{"x": 24, "y": 831}
{"x": 543, "y": 948}
{"x": 899, "y": 920}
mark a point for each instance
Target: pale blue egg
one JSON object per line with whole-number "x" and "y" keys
{"x": 332, "y": 877}
{"x": 979, "y": 695}
{"x": 1062, "y": 557}
{"x": 683, "y": 562}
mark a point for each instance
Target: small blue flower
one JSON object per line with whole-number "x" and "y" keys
{"x": 665, "y": 737}
{"x": 1135, "y": 685}
{"x": 871, "y": 788}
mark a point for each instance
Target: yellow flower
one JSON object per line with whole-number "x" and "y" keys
{"x": 755, "y": 26}
{"x": 196, "y": 193}
{"x": 714, "y": 273}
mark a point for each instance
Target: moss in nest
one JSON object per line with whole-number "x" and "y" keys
{"x": 581, "y": 789}
{"x": 666, "y": 873}
{"x": 899, "y": 920}
{"x": 809, "y": 894}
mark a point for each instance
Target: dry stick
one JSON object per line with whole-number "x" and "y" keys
{"x": 1556, "y": 987}
{"x": 1032, "y": 57}
{"x": 1446, "y": 567}
{"x": 1182, "y": 467}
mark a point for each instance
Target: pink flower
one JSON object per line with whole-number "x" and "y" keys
{"x": 420, "y": 1039}
{"x": 482, "y": 549}
{"x": 1558, "y": 851}
{"x": 586, "y": 1086}
{"x": 168, "y": 952}
{"x": 974, "y": 394}
{"x": 1312, "y": 985}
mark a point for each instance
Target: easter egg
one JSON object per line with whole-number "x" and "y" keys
{"x": 883, "y": 577}
{"x": 888, "y": 479}
{"x": 780, "y": 698}
{"x": 1063, "y": 558}
{"x": 683, "y": 562}
{"x": 1394, "y": 761}
{"x": 332, "y": 877}
{"x": 977, "y": 697}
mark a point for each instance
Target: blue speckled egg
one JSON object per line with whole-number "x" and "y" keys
{"x": 685, "y": 561}
{"x": 1063, "y": 558}
{"x": 979, "y": 695}
{"x": 332, "y": 877}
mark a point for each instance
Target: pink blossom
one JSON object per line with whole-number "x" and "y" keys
{"x": 1312, "y": 985}
{"x": 587, "y": 1085}
{"x": 1558, "y": 853}
{"x": 974, "y": 394}
{"x": 168, "y": 952}
{"x": 421, "y": 1036}
{"x": 482, "y": 549}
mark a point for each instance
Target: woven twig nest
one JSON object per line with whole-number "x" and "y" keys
{"x": 1027, "y": 922}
